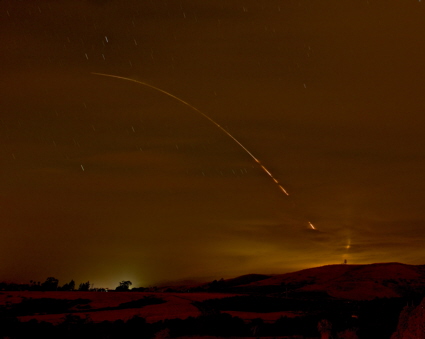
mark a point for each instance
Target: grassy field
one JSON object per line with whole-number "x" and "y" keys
{"x": 111, "y": 306}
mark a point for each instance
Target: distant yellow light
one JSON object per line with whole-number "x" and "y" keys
{"x": 348, "y": 244}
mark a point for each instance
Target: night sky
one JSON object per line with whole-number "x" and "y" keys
{"x": 104, "y": 179}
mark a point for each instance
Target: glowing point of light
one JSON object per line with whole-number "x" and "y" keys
{"x": 82, "y": 167}
{"x": 348, "y": 244}
{"x": 311, "y": 225}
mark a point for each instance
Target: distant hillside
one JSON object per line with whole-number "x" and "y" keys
{"x": 242, "y": 280}
{"x": 354, "y": 282}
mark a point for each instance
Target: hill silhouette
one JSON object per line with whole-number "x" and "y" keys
{"x": 353, "y": 282}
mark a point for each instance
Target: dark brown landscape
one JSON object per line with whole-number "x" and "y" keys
{"x": 334, "y": 301}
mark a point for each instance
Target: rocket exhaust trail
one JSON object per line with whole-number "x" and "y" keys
{"x": 206, "y": 117}
{"x": 265, "y": 170}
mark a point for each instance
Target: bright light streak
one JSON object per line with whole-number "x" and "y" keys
{"x": 348, "y": 244}
{"x": 283, "y": 190}
{"x": 311, "y": 225}
{"x": 267, "y": 171}
{"x": 205, "y": 116}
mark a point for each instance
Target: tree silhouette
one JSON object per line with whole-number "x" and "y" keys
{"x": 84, "y": 286}
{"x": 124, "y": 285}
{"x": 69, "y": 286}
{"x": 51, "y": 284}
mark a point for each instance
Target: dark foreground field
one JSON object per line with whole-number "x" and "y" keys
{"x": 123, "y": 314}
{"x": 337, "y": 301}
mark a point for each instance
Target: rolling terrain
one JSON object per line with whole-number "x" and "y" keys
{"x": 350, "y": 282}
{"x": 365, "y": 300}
